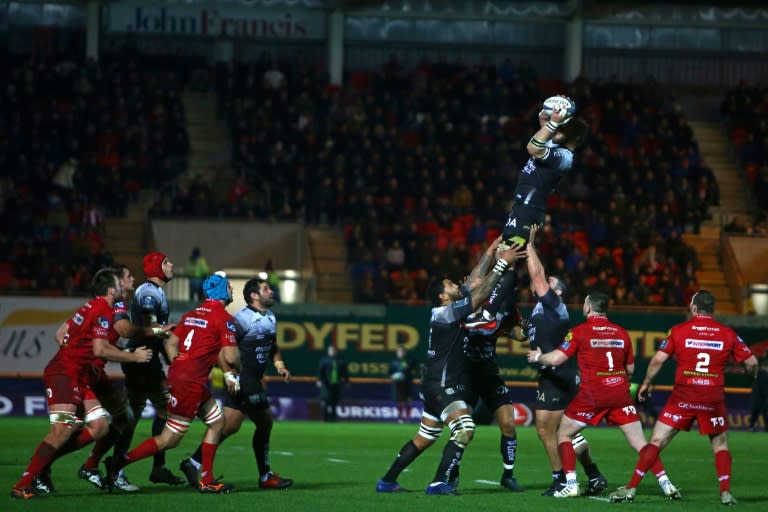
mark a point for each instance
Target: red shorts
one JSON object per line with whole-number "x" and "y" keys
{"x": 679, "y": 413}
{"x": 62, "y": 388}
{"x": 186, "y": 398}
{"x": 586, "y": 412}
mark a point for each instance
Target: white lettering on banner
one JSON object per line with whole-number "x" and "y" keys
{"x": 231, "y": 22}
{"x": 34, "y": 403}
{"x": 704, "y": 344}
{"x": 27, "y": 331}
{"x": 6, "y": 406}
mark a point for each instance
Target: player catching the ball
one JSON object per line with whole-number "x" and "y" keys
{"x": 551, "y": 149}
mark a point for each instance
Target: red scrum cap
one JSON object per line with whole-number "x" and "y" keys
{"x": 153, "y": 265}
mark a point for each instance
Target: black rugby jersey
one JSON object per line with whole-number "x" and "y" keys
{"x": 538, "y": 178}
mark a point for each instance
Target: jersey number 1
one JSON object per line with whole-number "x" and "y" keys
{"x": 610, "y": 360}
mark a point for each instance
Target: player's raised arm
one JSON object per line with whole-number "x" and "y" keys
{"x": 535, "y": 267}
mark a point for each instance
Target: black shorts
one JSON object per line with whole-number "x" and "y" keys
{"x": 556, "y": 389}
{"x": 251, "y": 397}
{"x": 519, "y": 221}
{"x": 436, "y": 398}
{"x": 488, "y": 384}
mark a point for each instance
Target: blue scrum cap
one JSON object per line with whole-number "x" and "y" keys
{"x": 216, "y": 287}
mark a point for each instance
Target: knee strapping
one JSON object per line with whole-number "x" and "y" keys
{"x": 64, "y": 417}
{"x": 213, "y": 415}
{"x": 462, "y": 430}
{"x": 578, "y": 440}
{"x": 430, "y": 433}
{"x": 95, "y": 413}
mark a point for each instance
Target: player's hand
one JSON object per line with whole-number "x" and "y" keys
{"x": 644, "y": 392}
{"x": 285, "y": 373}
{"x": 543, "y": 118}
{"x": 534, "y": 355}
{"x": 142, "y": 355}
{"x": 232, "y": 382}
{"x": 532, "y": 235}
{"x": 512, "y": 254}
{"x": 491, "y": 250}
{"x": 560, "y": 117}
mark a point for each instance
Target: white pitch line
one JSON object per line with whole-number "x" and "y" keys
{"x": 287, "y": 454}
{"x": 487, "y": 482}
{"x": 598, "y": 498}
{"x": 338, "y": 460}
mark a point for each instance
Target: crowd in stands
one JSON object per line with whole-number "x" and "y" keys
{"x": 77, "y": 141}
{"x": 418, "y": 167}
{"x": 745, "y": 110}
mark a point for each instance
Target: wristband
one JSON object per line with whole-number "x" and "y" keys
{"x": 537, "y": 143}
{"x": 157, "y": 331}
{"x": 279, "y": 365}
{"x": 552, "y": 126}
{"x": 500, "y": 267}
{"x": 234, "y": 379}
{"x": 537, "y": 357}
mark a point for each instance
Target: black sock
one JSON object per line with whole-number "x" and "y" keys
{"x": 260, "y": 445}
{"x": 407, "y": 454}
{"x": 198, "y": 455}
{"x": 157, "y": 427}
{"x": 451, "y": 458}
{"x": 508, "y": 453}
{"x": 558, "y": 476}
{"x": 592, "y": 471}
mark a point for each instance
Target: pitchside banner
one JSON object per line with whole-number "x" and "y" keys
{"x": 366, "y": 337}
{"x": 219, "y": 22}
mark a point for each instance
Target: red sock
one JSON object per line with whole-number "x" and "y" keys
{"x": 206, "y": 466}
{"x": 658, "y": 468}
{"x": 723, "y": 463}
{"x": 146, "y": 449}
{"x": 567, "y": 456}
{"x": 648, "y": 456}
{"x": 42, "y": 456}
{"x": 101, "y": 447}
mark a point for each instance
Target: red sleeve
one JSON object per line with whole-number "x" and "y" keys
{"x": 667, "y": 345}
{"x": 101, "y": 322}
{"x": 741, "y": 351}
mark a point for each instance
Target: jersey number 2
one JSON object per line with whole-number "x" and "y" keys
{"x": 703, "y": 365}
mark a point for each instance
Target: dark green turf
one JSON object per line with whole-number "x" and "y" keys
{"x": 336, "y": 467}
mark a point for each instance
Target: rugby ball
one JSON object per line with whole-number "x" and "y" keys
{"x": 558, "y": 103}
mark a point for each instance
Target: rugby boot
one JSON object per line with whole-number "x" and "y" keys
{"x": 121, "y": 483}
{"x": 670, "y": 491}
{"x": 190, "y": 471}
{"x": 93, "y": 477}
{"x": 510, "y": 482}
{"x": 388, "y": 487}
{"x": 27, "y": 493}
{"x": 274, "y": 481}
{"x": 726, "y": 498}
{"x": 570, "y": 490}
{"x": 596, "y": 485}
{"x": 163, "y": 475}
{"x": 623, "y": 494}
{"x": 441, "y": 489}
{"x": 43, "y": 483}
{"x": 215, "y": 487}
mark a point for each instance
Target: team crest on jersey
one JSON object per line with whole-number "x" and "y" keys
{"x": 664, "y": 343}
{"x": 231, "y": 326}
{"x": 103, "y": 322}
{"x": 606, "y": 343}
{"x": 703, "y": 344}
{"x": 195, "y": 322}
{"x": 565, "y": 345}
{"x": 78, "y": 319}
{"x": 569, "y": 336}
{"x": 148, "y": 302}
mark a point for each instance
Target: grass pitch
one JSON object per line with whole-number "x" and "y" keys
{"x": 336, "y": 467}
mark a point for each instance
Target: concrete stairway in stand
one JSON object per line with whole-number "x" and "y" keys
{"x": 716, "y": 152}
{"x": 329, "y": 260}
